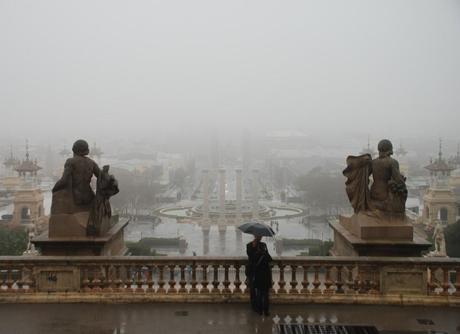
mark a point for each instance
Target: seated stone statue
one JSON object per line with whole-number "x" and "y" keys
{"x": 379, "y": 225}
{"x": 388, "y": 192}
{"x": 75, "y": 209}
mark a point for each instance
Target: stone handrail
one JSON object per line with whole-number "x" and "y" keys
{"x": 414, "y": 281}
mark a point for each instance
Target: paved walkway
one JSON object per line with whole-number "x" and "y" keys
{"x": 212, "y": 318}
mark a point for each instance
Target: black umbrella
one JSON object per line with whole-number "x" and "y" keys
{"x": 257, "y": 229}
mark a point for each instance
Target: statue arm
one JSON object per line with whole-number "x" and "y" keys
{"x": 96, "y": 170}
{"x": 66, "y": 177}
{"x": 396, "y": 173}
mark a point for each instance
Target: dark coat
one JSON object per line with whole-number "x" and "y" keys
{"x": 258, "y": 270}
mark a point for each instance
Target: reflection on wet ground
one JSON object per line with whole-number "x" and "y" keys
{"x": 214, "y": 318}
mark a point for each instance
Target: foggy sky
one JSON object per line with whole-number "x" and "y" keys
{"x": 134, "y": 68}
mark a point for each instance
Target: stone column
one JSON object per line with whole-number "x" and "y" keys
{"x": 222, "y": 192}
{"x": 255, "y": 193}
{"x": 239, "y": 238}
{"x": 205, "y": 207}
{"x": 205, "y": 229}
{"x": 239, "y": 192}
{"x": 222, "y": 235}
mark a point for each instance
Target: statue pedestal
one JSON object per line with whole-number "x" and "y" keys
{"x": 111, "y": 243}
{"x": 364, "y": 235}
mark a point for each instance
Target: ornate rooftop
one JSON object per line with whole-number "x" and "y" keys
{"x": 440, "y": 164}
{"x": 368, "y": 149}
{"x": 11, "y": 161}
{"x": 27, "y": 165}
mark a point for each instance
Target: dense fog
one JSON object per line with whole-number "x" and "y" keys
{"x": 165, "y": 71}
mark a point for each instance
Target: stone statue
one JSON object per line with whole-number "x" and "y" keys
{"x": 439, "y": 240}
{"x": 75, "y": 206}
{"x": 387, "y": 193}
{"x": 379, "y": 225}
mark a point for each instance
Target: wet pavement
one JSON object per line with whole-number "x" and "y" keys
{"x": 215, "y": 318}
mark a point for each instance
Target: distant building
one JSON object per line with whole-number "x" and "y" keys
{"x": 27, "y": 167}
{"x": 439, "y": 202}
{"x": 369, "y": 150}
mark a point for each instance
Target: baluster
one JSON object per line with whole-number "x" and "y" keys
{"x": 445, "y": 284}
{"x": 85, "y": 282}
{"x": 204, "y": 282}
{"x": 27, "y": 279}
{"x": 117, "y": 280}
{"x": 172, "y": 280}
{"x": 374, "y": 284}
{"x": 237, "y": 281}
{"x": 431, "y": 285}
{"x": 305, "y": 282}
{"x": 362, "y": 284}
{"x": 182, "y": 281}
{"x": 112, "y": 277}
{"x": 293, "y": 282}
{"x": 161, "y": 281}
{"x": 139, "y": 279}
{"x": 215, "y": 282}
{"x": 226, "y": 281}
{"x": 328, "y": 282}
{"x": 96, "y": 282}
{"x": 350, "y": 284}
{"x": 150, "y": 282}
{"x": 281, "y": 282}
{"x": 9, "y": 280}
{"x": 316, "y": 282}
{"x": 457, "y": 282}
{"x": 20, "y": 281}
{"x": 339, "y": 282}
{"x": 105, "y": 279}
{"x": 129, "y": 278}
{"x": 194, "y": 282}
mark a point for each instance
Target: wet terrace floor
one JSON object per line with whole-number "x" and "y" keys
{"x": 215, "y": 318}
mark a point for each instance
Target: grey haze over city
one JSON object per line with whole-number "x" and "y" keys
{"x": 334, "y": 70}
{"x": 239, "y": 166}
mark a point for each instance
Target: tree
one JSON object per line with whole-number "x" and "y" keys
{"x": 322, "y": 189}
{"x": 13, "y": 241}
{"x": 137, "y": 189}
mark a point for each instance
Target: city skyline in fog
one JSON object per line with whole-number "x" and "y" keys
{"x": 113, "y": 69}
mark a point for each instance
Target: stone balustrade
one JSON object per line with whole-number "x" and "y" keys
{"x": 408, "y": 281}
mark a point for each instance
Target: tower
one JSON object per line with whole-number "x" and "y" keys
{"x": 401, "y": 155}
{"x": 27, "y": 167}
{"x": 28, "y": 209}
{"x": 439, "y": 201}
{"x": 10, "y": 180}
{"x": 10, "y": 163}
{"x": 454, "y": 181}
{"x": 368, "y": 149}
{"x": 96, "y": 153}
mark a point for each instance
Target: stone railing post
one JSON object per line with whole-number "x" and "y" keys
{"x": 305, "y": 282}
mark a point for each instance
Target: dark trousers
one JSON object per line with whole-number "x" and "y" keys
{"x": 253, "y": 296}
{"x": 262, "y": 300}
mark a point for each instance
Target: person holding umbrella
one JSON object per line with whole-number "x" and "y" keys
{"x": 258, "y": 271}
